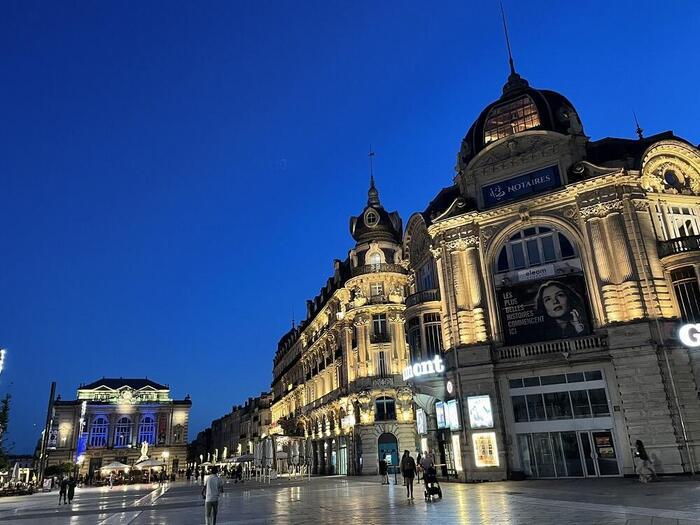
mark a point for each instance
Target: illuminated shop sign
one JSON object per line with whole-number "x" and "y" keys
{"x": 689, "y": 334}
{"x": 485, "y": 449}
{"x": 424, "y": 368}
{"x": 521, "y": 186}
{"x": 544, "y": 309}
{"x": 447, "y": 414}
{"x": 421, "y": 422}
{"x": 440, "y": 414}
{"x": 480, "y": 413}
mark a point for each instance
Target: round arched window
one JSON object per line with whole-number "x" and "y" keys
{"x": 534, "y": 246}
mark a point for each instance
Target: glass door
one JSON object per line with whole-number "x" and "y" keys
{"x": 588, "y": 457}
{"x": 605, "y": 450}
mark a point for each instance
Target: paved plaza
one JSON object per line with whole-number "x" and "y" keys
{"x": 365, "y": 501}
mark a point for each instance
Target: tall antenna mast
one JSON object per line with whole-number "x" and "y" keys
{"x": 505, "y": 30}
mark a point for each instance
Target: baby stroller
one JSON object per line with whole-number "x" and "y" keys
{"x": 432, "y": 486}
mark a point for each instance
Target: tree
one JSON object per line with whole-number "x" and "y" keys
{"x": 4, "y": 419}
{"x": 60, "y": 469}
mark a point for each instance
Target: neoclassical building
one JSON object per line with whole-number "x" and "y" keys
{"x": 561, "y": 268}
{"x": 111, "y": 418}
{"x": 339, "y": 399}
{"x": 524, "y": 324}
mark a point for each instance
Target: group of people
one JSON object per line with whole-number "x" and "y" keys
{"x": 66, "y": 490}
{"x": 235, "y": 473}
{"x": 410, "y": 469}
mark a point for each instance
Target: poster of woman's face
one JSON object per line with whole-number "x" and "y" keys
{"x": 544, "y": 310}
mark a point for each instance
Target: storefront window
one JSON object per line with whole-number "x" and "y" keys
{"x": 599, "y": 402}
{"x": 519, "y": 409}
{"x": 535, "y": 407}
{"x": 557, "y": 405}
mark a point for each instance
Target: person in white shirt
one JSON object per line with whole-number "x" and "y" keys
{"x": 213, "y": 488}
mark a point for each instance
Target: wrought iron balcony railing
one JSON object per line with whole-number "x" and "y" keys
{"x": 679, "y": 245}
{"x": 423, "y": 297}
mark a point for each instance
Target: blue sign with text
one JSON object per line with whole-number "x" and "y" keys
{"x": 521, "y": 186}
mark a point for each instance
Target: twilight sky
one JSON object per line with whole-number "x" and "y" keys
{"x": 176, "y": 178}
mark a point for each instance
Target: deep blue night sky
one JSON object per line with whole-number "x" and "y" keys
{"x": 176, "y": 177}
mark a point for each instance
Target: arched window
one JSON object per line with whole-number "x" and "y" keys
{"x": 122, "y": 436}
{"x": 98, "y": 432}
{"x": 375, "y": 260}
{"x": 385, "y": 409}
{"x": 508, "y": 119}
{"x": 534, "y": 246}
{"x": 147, "y": 430}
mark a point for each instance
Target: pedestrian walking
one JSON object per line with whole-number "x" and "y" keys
{"x": 62, "y": 491}
{"x": 418, "y": 468}
{"x": 71, "y": 489}
{"x": 212, "y": 489}
{"x": 239, "y": 473}
{"x": 383, "y": 471}
{"x": 408, "y": 471}
{"x": 111, "y": 479}
{"x": 646, "y": 470}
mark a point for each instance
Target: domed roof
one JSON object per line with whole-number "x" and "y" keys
{"x": 375, "y": 223}
{"x": 519, "y": 108}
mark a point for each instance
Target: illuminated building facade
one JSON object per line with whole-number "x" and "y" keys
{"x": 111, "y": 418}
{"x": 339, "y": 398}
{"x": 235, "y": 434}
{"x": 560, "y": 269}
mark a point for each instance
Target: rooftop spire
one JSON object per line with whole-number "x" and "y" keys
{"x": 372, "y": 194}
{"x": 639, "y": 130}
{"x": 515, "y": 81}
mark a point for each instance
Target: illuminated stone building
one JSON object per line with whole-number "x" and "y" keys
{"x": 339, "y": 400}
{"x": 237, "y": 433}
{"x": 558, "y": 269}
{"x": 111, "y": 418}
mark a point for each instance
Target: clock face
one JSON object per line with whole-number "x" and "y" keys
{"x": 450, "y": 387}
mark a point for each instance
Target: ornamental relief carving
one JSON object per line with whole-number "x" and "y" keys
{"x": 462, "y": 243}
{"x": 601, "y": 209}
{"x": 671, "y": 167}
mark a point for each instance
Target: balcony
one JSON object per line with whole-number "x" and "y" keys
{"x": 679, "y": 245}
{"x": 381, "y": 337}
{"x": 571, "y": 347}
{"x": 378, "y": 268}
{"x": 423, "y": 297}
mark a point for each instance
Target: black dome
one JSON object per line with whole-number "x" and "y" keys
{"x": 556, "y": 113}
{"x": 375, "y": 223}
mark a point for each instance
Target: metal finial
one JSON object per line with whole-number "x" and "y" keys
{"x": 639, "y": 130}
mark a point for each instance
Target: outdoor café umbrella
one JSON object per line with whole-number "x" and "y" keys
{"x": 246, "y": 457}
{"x": 15, "y": 472}
{"x": 115, "y": 465}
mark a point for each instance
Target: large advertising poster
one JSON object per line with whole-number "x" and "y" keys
{"x": 545, "y": 309}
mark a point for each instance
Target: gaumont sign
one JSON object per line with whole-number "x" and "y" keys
{"x": 424, "y": 368}
{"x": 521, "y": 186}
{"x": 689, "y": 334}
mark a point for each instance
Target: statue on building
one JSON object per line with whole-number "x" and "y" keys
{"x": 144, "y": 452}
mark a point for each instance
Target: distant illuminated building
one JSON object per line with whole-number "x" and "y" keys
{"x": 118, "y": 416}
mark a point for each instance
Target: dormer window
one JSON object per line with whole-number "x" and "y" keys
{"x": 371, "y": 218}
{"x": 508, "y": 119}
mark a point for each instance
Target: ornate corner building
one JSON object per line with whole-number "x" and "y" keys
{"x": 110, "y": 420}
{"x": 524, "y": 324}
